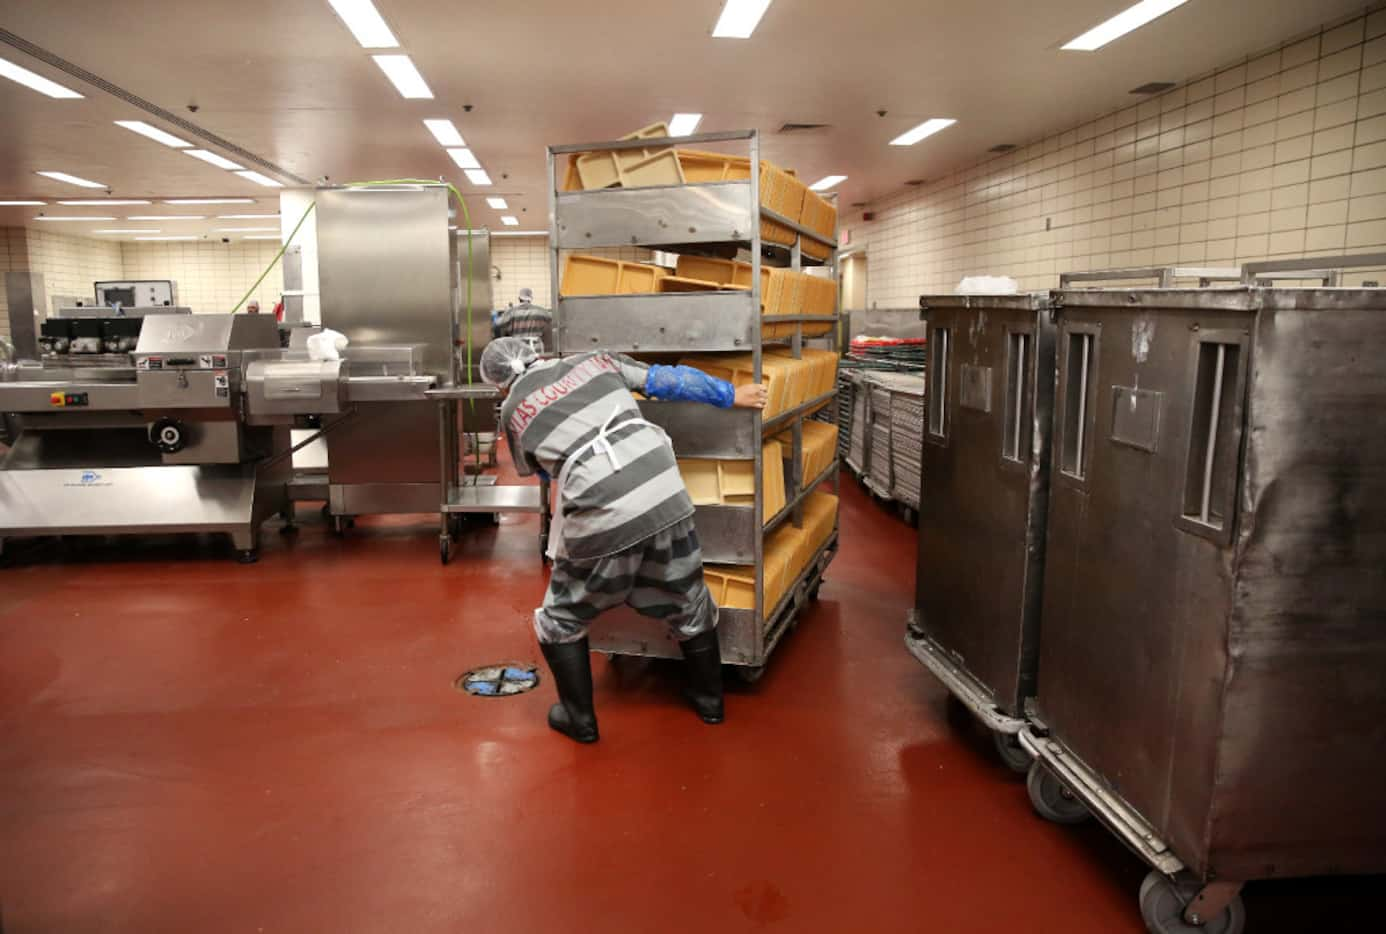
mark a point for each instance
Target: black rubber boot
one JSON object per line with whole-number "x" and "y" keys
{"x": 573, "y": 715}
{"x": 703, "y": 658}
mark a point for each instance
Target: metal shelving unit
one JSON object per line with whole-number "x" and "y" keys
{"x": 698, "y": 218}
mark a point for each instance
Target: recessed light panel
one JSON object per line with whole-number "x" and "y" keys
{"x": 1127, "y": 20}
{"x": 739, "y": 19}
{"x": 925, "y": 129}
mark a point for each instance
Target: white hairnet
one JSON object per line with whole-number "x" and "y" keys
{"x": 504, "y": 359}
{"x": 526, "y": 295}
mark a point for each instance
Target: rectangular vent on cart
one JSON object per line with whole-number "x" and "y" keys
{"x": 1079, "y": 366}
{"x": 1015, "y": 440}
{"x": 1210, "y": 473}
{"x": 939, "y": 340}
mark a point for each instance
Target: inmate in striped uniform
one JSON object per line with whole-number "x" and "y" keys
{"x": 628, "y": 533}
{"x": 526, "y": 320}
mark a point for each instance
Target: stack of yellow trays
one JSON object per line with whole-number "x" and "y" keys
{"x": 731, "y": 483}
{"x": 820, "y": 447}
{"x": 734, "y": 585}
{"x": 781, "y": 190}
{"x": 597, "y": 275}
{"x": 819, "y": 370}
{"x": 819, "y": 216}
{"x": 820, "y": 517}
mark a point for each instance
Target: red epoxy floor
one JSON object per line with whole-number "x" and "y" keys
{"x": 191, "y": 745}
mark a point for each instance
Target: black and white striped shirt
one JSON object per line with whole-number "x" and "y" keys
{"x": 526, "y": 320}
{"x": 555, "y": 408}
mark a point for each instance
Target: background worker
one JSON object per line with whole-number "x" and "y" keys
{"x": 623, "y": 529}
{"x": 528, "y": 321}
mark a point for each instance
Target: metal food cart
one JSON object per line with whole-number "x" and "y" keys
{"x": 983, "y": 497}
{"x": 1210, "y": 675}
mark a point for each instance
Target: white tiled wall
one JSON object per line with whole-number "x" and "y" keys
{"x": 524, "y": 261}
{"x": 1281, "y": 155}
{"x": 211, "y": 277}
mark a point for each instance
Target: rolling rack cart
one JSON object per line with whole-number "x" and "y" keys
{"x": 473, "y": 494}
{"x": 1209, "y": 681}
{"x": 467, "y": 406}
{"x": 700, "y": 219}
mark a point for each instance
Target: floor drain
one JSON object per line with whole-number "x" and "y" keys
{"x": 499, "y": 680}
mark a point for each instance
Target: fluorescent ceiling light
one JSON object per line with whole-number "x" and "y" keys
{"x": 71, "y": 179}
{"x": 510, "y": 220}
{"x": 142, "y": 230}
{"x": 220, "y": 162}
{"x": 98, "y": 202}
{"x": 165, "y": 238}
{"x": 927, "y": 128}
{"x": 828, "y": 181}
{"x": 1131, "y": 18}
{"x": 464, "y": 158}
{"x": 166, "y": 217}
{"x": 259, "y": 179}
{"x": 519, "y": 233}
{"x": 478, "y": 177}
{"x": 210, "y": 201}
{"x": 37, "y": 82}
{"x": 154, "y": 133}
{"x": 16, "y": 204}
{"x": 74, "y": 218}
{"x": 244, "y": 229}
{"x": 497, "y": 203}
{"x": 739, "y": 19}
{"x": 365, "y": 23}
{"x": 262, "y": 237}
{"x": 247, "y": 217}
{"x": 445, "y": 133}
{"x": 404, "y": 76}
{"x": 684, "y": 124}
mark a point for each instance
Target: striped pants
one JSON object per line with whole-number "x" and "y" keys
{"x": 660, "y": 577}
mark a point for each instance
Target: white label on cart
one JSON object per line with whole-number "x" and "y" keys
{"x": 220, "y": 380}
{"x": 204, "y": 361}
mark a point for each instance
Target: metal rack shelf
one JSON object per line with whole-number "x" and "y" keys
{"x": 799, "y": 411}
{"x": 678, "y": 321}
{"x": 715, "y": 218}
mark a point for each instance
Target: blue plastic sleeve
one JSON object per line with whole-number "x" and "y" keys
{"x": 686, "y": 384}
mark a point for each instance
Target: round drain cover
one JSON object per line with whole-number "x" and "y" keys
{"x": 499, "y": 680}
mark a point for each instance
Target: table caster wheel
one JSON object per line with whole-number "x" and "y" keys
{"x": 248, "y": 556}
{"x": 1051, "y": 798}
{"x": 444, "y": 551}
{"x": 1013, "y": 754}
{"x": 1162, "y": 909}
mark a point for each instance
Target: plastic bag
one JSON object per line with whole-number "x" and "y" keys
{"x": 987, "y": 285}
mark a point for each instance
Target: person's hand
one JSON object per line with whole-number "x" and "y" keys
{"x": 751, "y": 396}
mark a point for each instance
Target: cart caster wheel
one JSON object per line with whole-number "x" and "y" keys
{"x": 288, "y": 529}
{"x": 1012, "y": 753}
{"x": 1162, "y": 909}
{"x": 338, "y": 526}
{"x": 326, "y": 511}
{"x": 444, "y": 551}
{"x": 1051, "y": 799}
{"x": 493, "y": 518}
{"x": 248, "y": 556}
{"x": 813, "y": 592}
{"x": 750, "y": 674}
